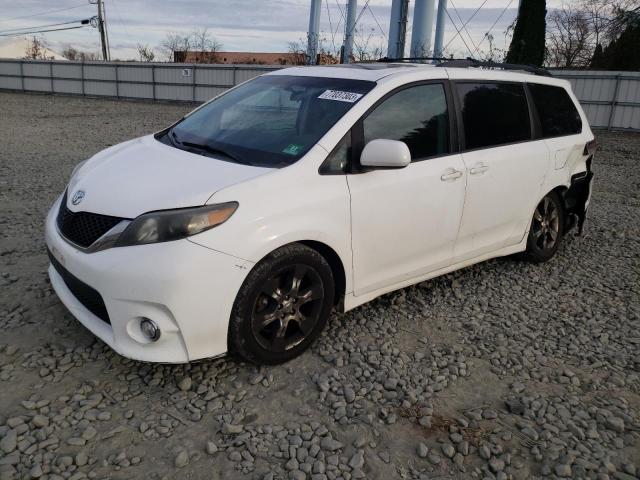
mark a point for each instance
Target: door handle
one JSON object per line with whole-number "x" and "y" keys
{"x": 450, "y": 175}
{"x": 478, "y": 169}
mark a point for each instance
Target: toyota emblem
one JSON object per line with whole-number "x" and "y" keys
{"x": 77, "y": 197}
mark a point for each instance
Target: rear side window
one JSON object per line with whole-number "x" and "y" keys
{"x": 494, "y": 114}
{"x": 557, "y": 112}
{"x": 416, "y": 116}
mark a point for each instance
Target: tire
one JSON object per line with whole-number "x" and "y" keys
{"x": 282, "y": 306}
{"x": 547, "y": 229}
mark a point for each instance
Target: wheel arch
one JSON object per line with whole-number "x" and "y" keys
{"x": 337, "y": 268}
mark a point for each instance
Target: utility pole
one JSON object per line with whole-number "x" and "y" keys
{"x": 442, "y": 11}
{"x": 314, "y": 32}
{"x": 423, "y": 11}
{"x": 102, "y": 28}
{"x": 397, "y": 28}
{"x": 349, "y": 30}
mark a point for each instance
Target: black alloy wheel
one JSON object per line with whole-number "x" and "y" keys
{"x": 547, "y": 228}
{"x": 282, "y": 306}
{"x": 288, "y": 308}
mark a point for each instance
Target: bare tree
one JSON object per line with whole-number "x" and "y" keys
{"x": 367, "y": 45}
{"x": 36, "y": 50}
{"x": 175, "y": 42}
{"x": 204, "y": 46}
{"x": 569, "y": 37}
{"x": 145, "y": 53}
{"x": 71, "y": 53}
{"x": 297, "y": 52}
{"x": 575, "y": 30}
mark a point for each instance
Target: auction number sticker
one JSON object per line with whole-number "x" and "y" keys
{"x": 340, "y": 96}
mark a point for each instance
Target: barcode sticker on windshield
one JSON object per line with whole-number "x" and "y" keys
{"x": 349, "y": 97}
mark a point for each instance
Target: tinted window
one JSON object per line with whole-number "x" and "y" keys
{"x": 270, "y": 121}
{"x": 557, "y": 112}
{"x": 416, "y": 116}
{"x": 494, "y": 114}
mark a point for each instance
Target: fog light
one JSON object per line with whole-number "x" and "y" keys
{"x": 149, "y": 329}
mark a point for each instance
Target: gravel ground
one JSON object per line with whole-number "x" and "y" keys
{"x": 502, "y": 370}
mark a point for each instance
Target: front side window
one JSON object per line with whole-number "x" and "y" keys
{"x": 493, "y": 114}
{"x": 558, "y": 114}
{"x": 271, "y": 121}
{"x": 416, "y": 116}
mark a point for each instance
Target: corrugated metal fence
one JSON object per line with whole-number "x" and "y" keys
{"x": 610, "y": 99}
{"x": 156, "y": 81}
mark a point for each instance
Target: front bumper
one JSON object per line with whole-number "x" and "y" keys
{"x": 186, "y": 289}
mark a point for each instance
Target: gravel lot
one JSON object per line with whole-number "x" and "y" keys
{"x": 502, "y": 370}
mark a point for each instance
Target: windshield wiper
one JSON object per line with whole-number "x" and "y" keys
{"x": 173, "y": 137}
{"x": 213, "y": 151}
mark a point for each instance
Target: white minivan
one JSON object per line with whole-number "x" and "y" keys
{"x": 239, "y": 228}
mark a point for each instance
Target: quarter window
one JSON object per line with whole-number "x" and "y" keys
{"x": 416, "y": 116}
{"x": 557, "y": 112}
{"x": 494, "y": 114}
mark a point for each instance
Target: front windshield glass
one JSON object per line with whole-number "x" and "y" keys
{"x": 270, "y": 121}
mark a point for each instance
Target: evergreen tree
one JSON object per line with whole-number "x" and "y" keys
{"x": 597, "y": 60}
{"x": 622, "y": 53}
{"x": 527, "y": 44}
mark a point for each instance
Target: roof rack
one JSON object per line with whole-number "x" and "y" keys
{"x": 473, "y": 63}
{"x": 411, "y": 59}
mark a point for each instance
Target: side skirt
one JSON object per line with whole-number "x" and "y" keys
{"x": 351, "y": 301}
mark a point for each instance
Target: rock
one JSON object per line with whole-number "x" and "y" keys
{"x": 563, "y": 470}
{"x": 357, "y": 460}
{"x": 496, "y": 464}
{"x": 40, "y": 421}
{"x": 297, "y": 475}
{"x": 330, "y": 444}
{"x": 182, "y": 459}
{"x": 36, "y": 471}
{"x": 234, "y": 456}
{"x": 485, "y": 452}
{"x": 230, "y": 429}
{"x": 422, "y": 450}
{"x": 81, "y": 459}
{"x": 9, "y": 441}
{"x": 185, "y": 384}
{"x": 211, "y": 448}
{"x": 349, "y": 394}
{"x": 448, "y": 450}
{"x": 616, "y": 424}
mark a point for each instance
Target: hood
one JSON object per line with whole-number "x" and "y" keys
{"x": 143, "y": 175}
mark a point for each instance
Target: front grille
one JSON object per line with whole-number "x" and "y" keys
{"x": 86, "y": 295}
{"x": 83, "y": 228}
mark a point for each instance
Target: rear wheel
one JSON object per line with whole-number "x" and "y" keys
{"x": 546, "y": 229}
{"x": 282, "y": 306}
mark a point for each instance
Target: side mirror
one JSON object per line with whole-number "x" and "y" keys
{"x": 381, "y": 153}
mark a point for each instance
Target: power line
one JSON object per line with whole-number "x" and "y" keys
{"x": 465, "y": 23}
{"x": 333, "y": 36}
{"x": 486, "y": 35}
{"x": 40, "y": 31}
{"x": 43, "y": 13}
{"x": 42, "y": 26}
{"x": 374, "y": 17}
{"x": 457, "y": 30}
{"x": 463, "y": 26}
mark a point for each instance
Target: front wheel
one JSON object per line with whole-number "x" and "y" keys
{"x": 547, "y": 228}
{"x": 282, "y": 306}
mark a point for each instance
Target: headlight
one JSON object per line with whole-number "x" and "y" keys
{"x": 167, "y": 225}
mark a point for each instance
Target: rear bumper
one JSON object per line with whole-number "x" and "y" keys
{"x": 186, "y": 289}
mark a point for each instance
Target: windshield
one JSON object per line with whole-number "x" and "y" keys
{"x": 270, "y": 121}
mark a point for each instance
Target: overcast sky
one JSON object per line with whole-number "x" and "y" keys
{"x": 243, "y": 25}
